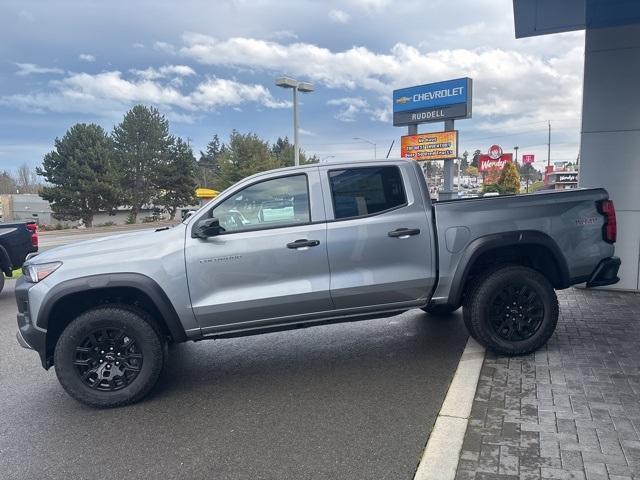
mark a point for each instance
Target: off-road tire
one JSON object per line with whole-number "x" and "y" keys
{"x": 149, "y": 342}
{"x": 482, "y": 322}
{"x": 439, "y": 310}
{"x": 1, "y": 281}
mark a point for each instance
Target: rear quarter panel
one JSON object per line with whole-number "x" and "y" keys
{"x": 570, "y": 219}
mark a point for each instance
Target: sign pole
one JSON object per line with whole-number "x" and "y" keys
{"x": 448, "y": 193}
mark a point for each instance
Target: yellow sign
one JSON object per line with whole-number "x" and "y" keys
{"x": 430, "y": 146}
{"x": 206, "y": 193}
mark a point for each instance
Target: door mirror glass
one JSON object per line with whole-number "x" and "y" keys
{"x": 209, "y": 227}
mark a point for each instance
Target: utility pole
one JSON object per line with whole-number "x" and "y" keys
{"x": 549, "y": 146}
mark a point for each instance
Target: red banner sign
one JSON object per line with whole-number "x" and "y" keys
{"x": 528, "y": 159}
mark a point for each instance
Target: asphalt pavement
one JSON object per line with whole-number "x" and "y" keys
{"x": 350, "y": 401}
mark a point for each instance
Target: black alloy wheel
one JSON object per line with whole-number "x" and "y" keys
{"x": 108, "y": 359}
{"x": 516, "y": 312}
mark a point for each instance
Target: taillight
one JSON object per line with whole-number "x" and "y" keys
{"x": 33, "y": 228}
{"x": 610, "y": 227}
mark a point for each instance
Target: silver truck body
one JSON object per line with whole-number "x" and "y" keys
{"x": 255, "y": 280}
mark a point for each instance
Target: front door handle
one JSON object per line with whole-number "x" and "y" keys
{"x": 303, "y": 243}
{"x": 404, "y": 232}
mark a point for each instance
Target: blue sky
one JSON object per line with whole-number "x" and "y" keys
{"x": 210, "y": 67}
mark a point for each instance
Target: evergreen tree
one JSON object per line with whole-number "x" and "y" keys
{"x": 464, "y": 161}
{"x": 141, "y": 142}
{"x": 81, "y": 174}
{"x": 208, "y": 162}
{"x": 475, "y": 161}
{"x": 245, "y": 155}
{"x": 175, "y": 178}
{"x": 509, "y": 181}
{"x": 284, "y": 153}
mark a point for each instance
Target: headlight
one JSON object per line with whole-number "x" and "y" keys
{"x": 38, "y": 272}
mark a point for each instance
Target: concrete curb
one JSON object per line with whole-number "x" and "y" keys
{"x": 440, "y": 458}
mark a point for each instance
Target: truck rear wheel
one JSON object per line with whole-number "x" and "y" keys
{"x": 512, "y": 311}
{"x": 109, "y": 357}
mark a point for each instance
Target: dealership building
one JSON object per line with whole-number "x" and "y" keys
{"x": 610, "y": 134}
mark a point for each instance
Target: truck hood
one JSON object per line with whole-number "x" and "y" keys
{"x": 124, "y": 244}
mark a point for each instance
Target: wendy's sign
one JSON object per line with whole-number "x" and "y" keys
{"x": 495, "y": 158}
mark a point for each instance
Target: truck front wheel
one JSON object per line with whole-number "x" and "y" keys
{"x": 512, "y": 311}
{"x": 109, "y": 357}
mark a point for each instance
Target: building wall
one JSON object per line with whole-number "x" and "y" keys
{"x": 610, "y": 147}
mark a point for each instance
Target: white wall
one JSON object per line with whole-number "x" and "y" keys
{"x": 610, "y": 147}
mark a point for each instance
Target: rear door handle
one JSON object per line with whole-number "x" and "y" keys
{"x": 404, "y": 232}
{"x": 303, "y": 243}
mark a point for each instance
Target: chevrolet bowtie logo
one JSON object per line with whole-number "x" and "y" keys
{"x": 403, "y": 100}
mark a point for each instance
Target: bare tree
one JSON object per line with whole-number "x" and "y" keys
{"x": 26, "y": 179}
{"x": 7, "y": 183}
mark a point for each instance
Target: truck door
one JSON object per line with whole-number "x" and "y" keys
{"x": 271, "y": 260}
{"x": 379, "y": 236}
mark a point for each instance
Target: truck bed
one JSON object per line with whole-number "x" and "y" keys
{"x": 569, "y": 219}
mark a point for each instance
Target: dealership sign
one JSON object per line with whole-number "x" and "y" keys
{"x": 528, "y": 159}
{"x": 430, "y": 146}
{"x": 496, "y": 158}
{"x": 434, "y": 102}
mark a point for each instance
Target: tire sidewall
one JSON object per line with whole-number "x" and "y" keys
{"x": 147, "y": 340}
{"x": 484, "y": 295}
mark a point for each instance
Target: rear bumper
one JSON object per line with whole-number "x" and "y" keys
{"x": 605, "y": 273}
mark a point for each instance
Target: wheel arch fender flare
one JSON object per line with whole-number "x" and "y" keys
{"x": 486, "y": 243}
{"x": 136, "y": 281}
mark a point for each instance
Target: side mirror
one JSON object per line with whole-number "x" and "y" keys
{"x": 209, "y": 227}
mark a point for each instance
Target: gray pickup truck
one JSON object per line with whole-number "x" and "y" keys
{"x": 305, "y": 246}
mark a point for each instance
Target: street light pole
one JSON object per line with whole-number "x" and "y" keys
{"x": 296, "y": 145}
{"x": 375, "y": 153}
{"x": 296, "y": 86}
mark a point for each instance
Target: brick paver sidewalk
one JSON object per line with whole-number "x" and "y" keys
{"x": 572, "y": 410}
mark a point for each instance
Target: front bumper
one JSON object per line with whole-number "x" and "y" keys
{"x": 605, "y": 273}
{"x": 28, "y": 335}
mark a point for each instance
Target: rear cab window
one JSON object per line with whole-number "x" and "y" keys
{"x": 365, "y": 191}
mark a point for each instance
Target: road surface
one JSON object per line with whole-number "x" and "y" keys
{"x": 350, "y": 401}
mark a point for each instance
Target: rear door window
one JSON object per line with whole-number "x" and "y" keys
{"x": 364, "y": 191}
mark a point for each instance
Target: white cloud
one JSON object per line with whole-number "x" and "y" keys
{"x": 86, "y": 57}
{"x": 138, "y": 45}
{"x": 283, "y": 35}
{"x": 165, "y": 71}
{"x": 165, "y": 48}
{"x": 27, "y": 16}
{"x": 108, "y": 93}
{"x": 33, "y": 69}
{"x": 370, "y": 4}
{"x": 350, "y": 107}
{"x": 506, "y": 82}
{"x": 339, "y": 16}
{"x": 217, "y": 92}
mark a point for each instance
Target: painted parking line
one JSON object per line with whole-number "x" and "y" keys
{"x": 440, "y": 458}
